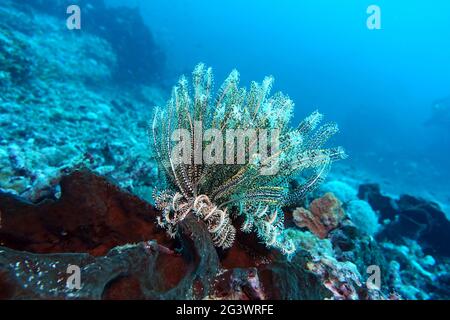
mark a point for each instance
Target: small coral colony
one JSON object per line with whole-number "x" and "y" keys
{"x": 205, "y": 178}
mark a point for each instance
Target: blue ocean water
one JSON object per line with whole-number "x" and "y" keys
{"x": 75, "y": 105}
{"x": 379, "y": 85}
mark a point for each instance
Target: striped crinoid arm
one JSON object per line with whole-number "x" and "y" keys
{"x": 257, "y": 96}
{"x": 267, "y": 220}
{"x": 256, "y": 201}
{"x": 218, "y": 221}
{"x": 312, "y": 182}
{"x": 236, "y": 181}
{"x": 312, "y": 159}
{"x": 157, "y": 137}
{"x": 185, "y": 121}
{"x": 306, "y": 136}
{"x": 322, "y": 135}
{"x": 192, "y": 115}
{"x": 162, "y": 144}
{"x": 229, "y": 103}
{"x": 202, "y": 80}
{"x": 270, "y": 194}
{"x": 310, "y": 123}
{"x": 173, "y": 123}
{"x": 172, "y": 211}
{"x": 161, "y": 135}
{"x": 228, "y": 186}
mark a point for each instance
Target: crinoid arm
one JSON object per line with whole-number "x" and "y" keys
{"x": 255, "y": 185}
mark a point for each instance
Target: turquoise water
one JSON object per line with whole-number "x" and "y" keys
{"x": 379, "y": 85}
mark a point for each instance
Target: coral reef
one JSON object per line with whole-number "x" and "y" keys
{"x": 139, "y": 58}
{"x": 410, "y": 268}
{"x": 410, "y": 217}
{"x": 341, "y": 279}
{"x": 52, "y": 76}
{"x": 362, "y": 215}
{"x": 341, "y": 190}
{"x": 412, "y": 240}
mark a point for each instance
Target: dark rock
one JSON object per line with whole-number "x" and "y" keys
{"x": 440, "y": 289}
{"x": 411, "y": 217}
{"x": 350, "y": 244}
{"x": 383, "y": 204}
{"x": 124, "y": 272}
{"x": 425, "y": 222}
{"x": 289, "y": 280}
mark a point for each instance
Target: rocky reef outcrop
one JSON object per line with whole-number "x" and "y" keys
{"x": 414, "y": 238}
{"x": 111, "y": 235}
{"x": 410, "y": 217}
{"x": 61, "y": 107}
{"x": 139, "y": 58}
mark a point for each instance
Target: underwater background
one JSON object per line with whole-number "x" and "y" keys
{"x": 378, "y": 85}
{"x": 72, "y": 100}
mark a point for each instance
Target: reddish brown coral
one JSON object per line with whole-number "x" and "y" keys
{"x": 324, "y": 215}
